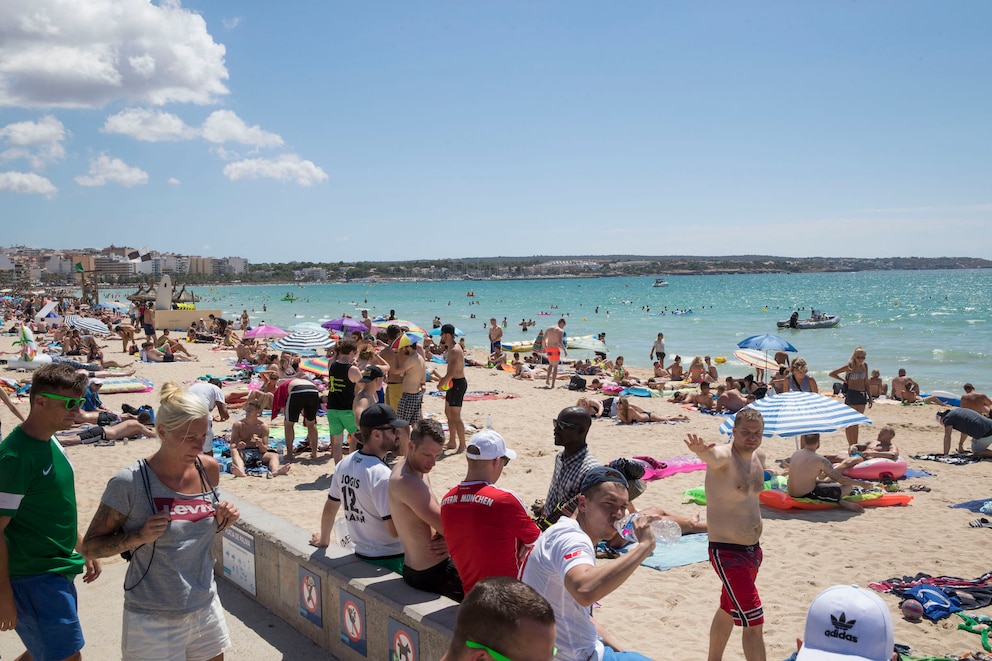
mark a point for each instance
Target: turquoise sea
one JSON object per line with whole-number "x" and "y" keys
{"x": 936, "y": 324}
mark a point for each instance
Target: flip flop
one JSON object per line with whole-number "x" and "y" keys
{"x": 980, "y": 523}
{"x": 919, "y": 487}
{"x": 109, "y": 444}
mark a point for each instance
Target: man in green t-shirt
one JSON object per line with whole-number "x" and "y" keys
{"x": 38, "y": 560}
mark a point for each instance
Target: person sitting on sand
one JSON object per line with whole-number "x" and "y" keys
{"x": 904, "y": 388}
{"x": 813, "y": 476}
{"x": 660, "y": 372}
{"x": 94, "y": 353}
{"x": 698, "y": 372}
{"x": 131, "y": 428}
{"x": 675, "y": 371}
{"x": 877, "y": 387}
{"x": 628, "y": 414}
{"x": 800, "y": 380}
{"x": 702, "y": 399}
{"x": 729, "y": 400}
{"x": 250, "y": 444}
{"x": 175, "y": 346}
{"x": 780, "y": 382}
{"x": 149, "y": 354}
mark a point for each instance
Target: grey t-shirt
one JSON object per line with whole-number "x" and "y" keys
{"x": 173, "y": 576}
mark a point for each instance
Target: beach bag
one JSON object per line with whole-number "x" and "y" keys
{"x": 150, "y": 410}
{"x": 576, "y": 383}
{"x": 937, "y": 604}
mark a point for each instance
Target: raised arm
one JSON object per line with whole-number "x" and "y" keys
{"x": 703, "y": 450}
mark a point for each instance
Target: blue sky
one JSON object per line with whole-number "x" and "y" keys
{"x": 330, "y": 131}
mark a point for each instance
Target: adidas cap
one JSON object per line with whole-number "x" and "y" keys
{"x": 846, "y": 622}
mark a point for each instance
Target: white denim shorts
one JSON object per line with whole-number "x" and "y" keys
{"x": 197, "y": 636}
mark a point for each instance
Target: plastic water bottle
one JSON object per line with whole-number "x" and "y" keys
{"x": 341, "y": 534}
{"x": 489, "y": 421}
{"x": 666, "y": 531}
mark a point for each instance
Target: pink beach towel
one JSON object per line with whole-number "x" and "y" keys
{"x": 655, "y": 469}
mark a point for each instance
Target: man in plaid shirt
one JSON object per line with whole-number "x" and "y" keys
{"x": 571, "y": 464}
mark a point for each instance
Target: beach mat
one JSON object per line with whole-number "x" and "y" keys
{"x": 477, "y": 395}
{"x": 655, "y": 469}
{"x": 915, "y": 472}
{"x": 972, "y": 505}
{"x": 960, "y": 459}
{"x": 689, "y": 550}
{"x": 120, "y": 384}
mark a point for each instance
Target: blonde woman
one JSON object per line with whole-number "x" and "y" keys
{"x": 698, "y": 372}
{"x": 855, "y": 387}
{"x": 800, "y": 380}
{"x": 165, "y": 511}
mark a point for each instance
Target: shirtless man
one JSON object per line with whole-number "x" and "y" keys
{"x": 368, "y": 387}
{"x": 132, "y": 428}
{"x": 149, "y": 354}
{"x": 495, "y": 336}
{"x": 734, "y": 478}
{"x": 703, "y": 399}
{"x": 813, "y": 476}
{"x": 729, "y": 400}
{"x": 148, "y": 322}
{"x": 976, "y": 401}
{"x": 554, "y": 349}
{"x": 454, "y": 382}
{"x": 250, "y": 444}
{"x": 394, "y": 382}
{"x": 903, "y": 384}
{"x": 416, "y": 514}
{"x": 174, "y": 345}
{"x": 411, "y": 366}
{"x": 367, "y": 322}
{"x": 711, "y": 368}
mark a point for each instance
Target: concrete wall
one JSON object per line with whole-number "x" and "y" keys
{"x": 274, "y": 557}
{"x": 180, "y": 319}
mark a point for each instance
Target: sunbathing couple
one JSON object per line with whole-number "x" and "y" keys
{"x": 625, "y": 412}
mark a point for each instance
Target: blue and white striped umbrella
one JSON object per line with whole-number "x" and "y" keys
{"x": 797, "y": 413}
{"x": 86, "y": 325}
{"x": 304, "y": 342}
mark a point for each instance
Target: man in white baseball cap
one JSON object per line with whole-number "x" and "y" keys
{"x": 846, "y": 622}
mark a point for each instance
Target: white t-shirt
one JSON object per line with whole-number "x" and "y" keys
{"x": 359, "y": 483}
{"x": 560, "y": 548}
{"x": 210, "y": 394}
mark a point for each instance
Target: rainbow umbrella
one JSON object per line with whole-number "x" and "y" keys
{"x": 404, "y": 340}
{"x": 402, "y": 323}
{"x": 316, "y": 366}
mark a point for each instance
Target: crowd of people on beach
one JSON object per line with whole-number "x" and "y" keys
{"x": 527, "y": 577}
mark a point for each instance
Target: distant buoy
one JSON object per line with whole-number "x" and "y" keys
{"x": 720, "y": 359}
{"x": 896, "y": 304}
{"x": 584, "y": 319}
{"x": 764, "y": 309}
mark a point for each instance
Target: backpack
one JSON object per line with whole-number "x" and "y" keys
{"x": 576, "y": 383}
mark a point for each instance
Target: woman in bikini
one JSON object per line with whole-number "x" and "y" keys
{"x": 628, "y": 414}
{"x": 855, "y": 381}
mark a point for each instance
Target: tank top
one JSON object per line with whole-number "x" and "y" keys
{"x": 340, "y": 389}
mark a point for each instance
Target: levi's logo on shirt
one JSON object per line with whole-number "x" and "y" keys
{"x": 185, "y": 509}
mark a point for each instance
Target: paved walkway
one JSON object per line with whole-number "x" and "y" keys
{"x": 256, "y": 633}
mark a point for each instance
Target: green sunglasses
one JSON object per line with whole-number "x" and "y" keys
{"x": 493, "y": 653}
{"x": 70, "y": 402}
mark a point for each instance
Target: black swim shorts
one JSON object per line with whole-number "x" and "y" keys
{"x": 305, "y": 399}
{"x": 442, "y": 578}
{"x": 856, "y": 397}
{"x": 456, "y": 393}
{"x": 92, "y": 434}
{"x": 825, "y": 492}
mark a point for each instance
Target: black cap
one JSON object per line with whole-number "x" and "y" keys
{"x": 380, "y": 415}
{"x": 599, "y": 475}
{"x": 448, "y": 328}
{"x": 371, "y": 373}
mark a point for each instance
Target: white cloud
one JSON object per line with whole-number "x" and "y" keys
{"x": 148, "y": 125}
{"x": 38, "y": 142}
{"x": 288, "y": 167}
{"x": 174, "y": 181}
{"x": 231, "y": 23}
{"x": 87, "y": 53}
{"x": 26, "y": 183}
{"x": 225, "y": 126}
{"x": 105, "y": 170}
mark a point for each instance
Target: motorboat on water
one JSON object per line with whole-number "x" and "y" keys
{"x": 660, "y": 282}
{"x": 816, "y": 319}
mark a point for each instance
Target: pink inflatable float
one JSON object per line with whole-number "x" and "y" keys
{"x": 877, "y": 469}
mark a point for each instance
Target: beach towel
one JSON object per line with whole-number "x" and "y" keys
{"x": 915, "y": 472}
{"x": 118, "y": 384}
{"x": 477, "y": 395}
{"x": 689, "y": 550}
{"x": 961, "y": 459}
{"x": 655, "y": 469}
{"x": 973, "y": 505}
{"x": 971, "y": 593}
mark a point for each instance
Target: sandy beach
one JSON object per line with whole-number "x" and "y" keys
{"x": 656, "y": 612}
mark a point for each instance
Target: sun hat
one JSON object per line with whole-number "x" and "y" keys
{"x": 847, "y": 622}
{"x": 488, "y": 445}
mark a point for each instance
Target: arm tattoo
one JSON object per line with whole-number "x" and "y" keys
{"x": 105, "y": 537}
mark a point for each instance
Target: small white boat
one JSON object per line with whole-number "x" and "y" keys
{"x": 660, "y": 282}
{"x": 818, "y": 320}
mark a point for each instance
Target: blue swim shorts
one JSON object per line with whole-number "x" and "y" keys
{"x": 47, "y": 616}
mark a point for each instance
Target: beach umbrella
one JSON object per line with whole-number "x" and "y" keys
{"x": 109, "y": 306}
{"x": 307, "y": 325}
{"x": 303, "y": 343}
{"x": 766, "y": 342}
{"x": 436, "y": 332}
{"x": 402, "y": 323}
{"x": 756, "y": 359}
{"x": 405, "y": 340}
{"x": 346, "y": 324}
{"x": 86, "y": 325}
{"x": 316, "y": 366}
{"x": 266, "y": 332}
{"x": 795, "y": 413}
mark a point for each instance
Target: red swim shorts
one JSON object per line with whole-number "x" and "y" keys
{"x": 553, "y": 353}
{"x": 737, "y": 567}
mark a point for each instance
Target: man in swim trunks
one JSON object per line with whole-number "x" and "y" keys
{"x": 454, "y": 382}
{"x": 554, "y": 349}
{"x": 658, "y": 349}
{"x": 813, "y": 476}
{"x": 969, "y": 423}
{"x": 299, "y": 396}
{"x": 394, "y": 382}
{"x": 410, "y": 365}
{"x": 734, "y": 478}
{"x": 342, "y": 375}
{"x": 495, "y": 336}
